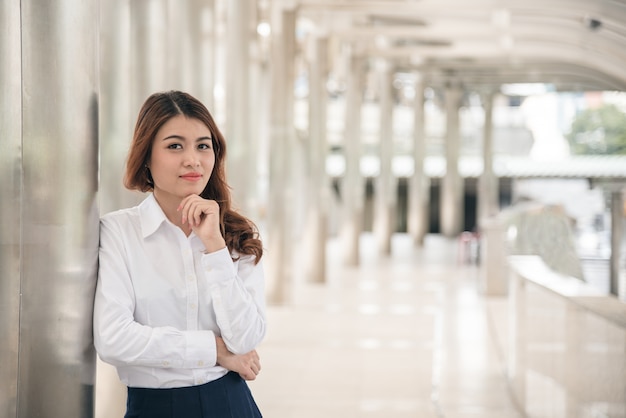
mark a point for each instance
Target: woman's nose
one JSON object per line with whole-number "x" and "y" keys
{"x": 191, "y": 159}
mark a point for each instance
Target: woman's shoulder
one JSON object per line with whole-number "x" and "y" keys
{"x": 122, "y": 217}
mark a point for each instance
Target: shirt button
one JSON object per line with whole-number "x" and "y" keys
{"x": 201, "y": 363}
{"x": 190, "y": 278}
{"x": 193, "y": 306}
{"x": 166, "y": 363}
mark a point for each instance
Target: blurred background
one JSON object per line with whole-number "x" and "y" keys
{"x": 439, "y": 185}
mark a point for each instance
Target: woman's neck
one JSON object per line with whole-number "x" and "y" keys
{"x": 169, "y": 206}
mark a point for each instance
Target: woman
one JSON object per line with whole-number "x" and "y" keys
{"x": 179, "y": 306}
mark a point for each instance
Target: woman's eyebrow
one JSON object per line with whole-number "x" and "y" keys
{"x": 202, "y": 138}
{"x": 173, "y": 137}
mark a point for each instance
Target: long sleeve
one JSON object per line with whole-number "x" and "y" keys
{"x": 238, "y": 295}
{"x": 119, "y": 338}
{"x": 161, "y": 301}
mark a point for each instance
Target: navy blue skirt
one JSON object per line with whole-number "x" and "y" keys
{"x": 226, "y": 397}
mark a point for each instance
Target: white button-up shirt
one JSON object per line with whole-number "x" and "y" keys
{"x": 160, "y": 301}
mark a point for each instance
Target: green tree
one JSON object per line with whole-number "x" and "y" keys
{"x": 599, "y": 131}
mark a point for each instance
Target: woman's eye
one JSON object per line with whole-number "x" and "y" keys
{"x": 174, "y": 146}
{"x": 204, "y": 146}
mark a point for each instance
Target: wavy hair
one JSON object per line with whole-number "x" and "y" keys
{"x": 240, "y": 234}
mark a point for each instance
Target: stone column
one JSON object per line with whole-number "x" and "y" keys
{"x": 352, "y": 186}
{"x": 488, "y": 182}
{"x": 419, "y": 186}
{"x": 452, "y": 184}
{"x": 319, "y": 197}
{"x": 386, "y": 184}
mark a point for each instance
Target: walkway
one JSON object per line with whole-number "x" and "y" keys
{"x": 401, "y": 336}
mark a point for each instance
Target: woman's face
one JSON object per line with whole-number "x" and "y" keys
{"x": 182, "y": 159}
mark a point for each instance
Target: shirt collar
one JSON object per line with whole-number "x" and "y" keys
{"x": 151, "y": 216}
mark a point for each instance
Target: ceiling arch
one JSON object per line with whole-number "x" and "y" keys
{"x": 573, "y": 44}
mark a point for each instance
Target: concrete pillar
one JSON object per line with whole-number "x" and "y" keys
{"x": 352, "y": 186}
{"x": 317, "y": 217}
{"x": 241, "y": 167}
{"x": 488, "y": 205}
{"x": 452, "y": 184}
{"x": 386, "y": 184}
{"x": 281, "y": 136}
{"x": 49, "y": 234}
{"x": 419, "y": 186}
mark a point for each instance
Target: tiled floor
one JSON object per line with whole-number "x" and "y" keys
{"x": 406, "y": 335}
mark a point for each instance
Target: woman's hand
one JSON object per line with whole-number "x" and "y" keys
{"x": 203, "y": 216}
{"x": 247, "y": 365}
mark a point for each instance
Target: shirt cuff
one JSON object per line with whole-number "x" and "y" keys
{"x": 201, "y": 350}
{"x": 218, "y": 266}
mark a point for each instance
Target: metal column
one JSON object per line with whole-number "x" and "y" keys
{"x": 452, "y": 184}
{"x": 148, "y": 45}
{"x": 419, "y": 196}
{"x": 317, "y": 219}
{"x": 206, "y": 52}
{"x": 10, "y": 202}
{"x": 280, "y": 194}
{"x": 352, "y": 187}
{"x": 187, "y": 58}
{"x": 116, "y": 116}
{"x": 116, "y": 130}
{"x": 386, "y": 186}
{"x": 52, "y": 203}
{"x": 617, "y": 284}
{"x": 240, "y": 165}
{"x": 488, "y": 182}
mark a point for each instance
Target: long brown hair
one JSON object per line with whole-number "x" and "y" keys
{"x": 240, "y": 234}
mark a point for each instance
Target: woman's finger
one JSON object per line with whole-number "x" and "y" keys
{"x": 197, "y": 212}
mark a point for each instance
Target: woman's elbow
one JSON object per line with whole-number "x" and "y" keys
{"x": 248, "y": 341}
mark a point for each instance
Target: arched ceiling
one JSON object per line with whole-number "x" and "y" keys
{"x": 572, "y": 44}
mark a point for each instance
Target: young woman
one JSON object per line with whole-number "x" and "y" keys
{"x": 179, "y": 306}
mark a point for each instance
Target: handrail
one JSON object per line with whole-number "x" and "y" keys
{"x": 566, "y": 345}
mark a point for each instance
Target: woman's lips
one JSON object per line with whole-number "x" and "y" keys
{"x": 192, "y": 176}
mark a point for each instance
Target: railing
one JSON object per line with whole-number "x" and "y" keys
{"x": 566, "y": 354}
